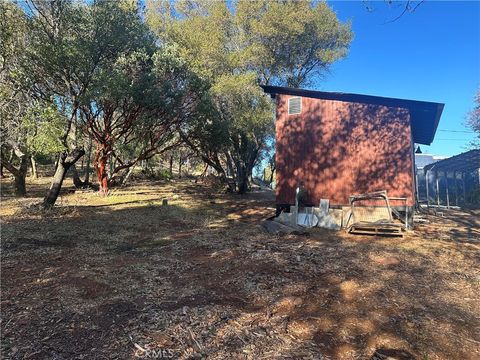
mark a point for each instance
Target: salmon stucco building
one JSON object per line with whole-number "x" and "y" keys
{"x": 339, "y": 144}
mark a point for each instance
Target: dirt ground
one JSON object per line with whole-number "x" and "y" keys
{"x": 124, "y": 277}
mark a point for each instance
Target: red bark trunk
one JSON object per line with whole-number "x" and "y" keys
{"x": 103, "y": 180}
{"x": 100, "y": 165}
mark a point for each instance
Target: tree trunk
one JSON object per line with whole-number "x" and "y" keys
{"x": 231, "y": 172}
{"x": 64, "y": 162}
{"x": 77, "y": 182}
{"x": 127, "y": 176}
{"x": 170, "y": 168}
{"x": 19, "y": 174}
{"x": 87, "y": 167}
{"x": 244, "y": 172}
{"x": 180, "y": 163}
{"x": 111, "y": 166}
{"x": 19, "y": 186}
{"x": 272, "y": 172}
{"x": 100, "y": 165}
{"x": 2, "y": 175}
{"x": 232, "y": 185}
{"x": 56, "y": 185}
{"x": 102, "y": 176}
{"x": 34, "y": 167}
{"x": 242, "y": 179}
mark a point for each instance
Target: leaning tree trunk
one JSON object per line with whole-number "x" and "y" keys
{"x": 65, "y": 161}
{"x": 127, "y": 176}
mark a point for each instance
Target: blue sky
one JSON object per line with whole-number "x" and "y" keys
{"x": 432, "y": 54}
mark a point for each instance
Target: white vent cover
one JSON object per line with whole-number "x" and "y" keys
{"x": 294, "y": 105}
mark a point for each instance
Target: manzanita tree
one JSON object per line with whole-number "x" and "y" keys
{"x": 72, "y": 49}
{"x": 140, "y": 103}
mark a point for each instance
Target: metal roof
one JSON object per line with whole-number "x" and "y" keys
{"x": 465, "y": 162}
{"x": 422, "y": 160}
{"x": 424, "y": 115}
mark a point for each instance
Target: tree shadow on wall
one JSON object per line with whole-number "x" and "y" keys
{"x": 338, "y": 149}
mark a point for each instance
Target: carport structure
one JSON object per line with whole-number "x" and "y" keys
{"x": 460, "y": 173}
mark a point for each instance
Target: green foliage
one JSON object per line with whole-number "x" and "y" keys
{"x": 12, "y": 30}
{"x": 15, "y": 104}
{"x": 233, "y": 47}
{"x": 136, "y": 85}
{"x": 202, "y": 30}
{"x": 248, "y": 111}
{"x": 163, "y": 174}
{"x": 288, "y": 42}
{"x": 244, "y": 101}
{"x": 44, "y": 127}
{"x": 74, "y": 43}
{"x": 283, "y": 42}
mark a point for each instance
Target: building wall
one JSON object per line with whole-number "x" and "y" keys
{"x": 339, "y": 148}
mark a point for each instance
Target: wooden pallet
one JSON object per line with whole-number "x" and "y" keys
{"x": 371, "y": 228}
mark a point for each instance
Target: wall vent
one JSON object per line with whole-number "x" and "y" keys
{"x": 294, "y": 105}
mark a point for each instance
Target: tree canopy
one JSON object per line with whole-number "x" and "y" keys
{"x": 136, "y": 82}
{"x": 235, "y": 47}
